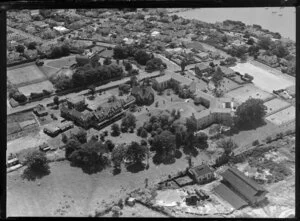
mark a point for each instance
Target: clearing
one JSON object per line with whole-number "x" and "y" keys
{"x": 61, "y": 62}
{"x": 263, "y": 78}
{"x": 25, "y": 74}
{"x": 283, "y": 116}
{"x": 36, "y": 88}
{"x": 244, "y": 93}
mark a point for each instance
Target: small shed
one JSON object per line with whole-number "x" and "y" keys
{"x": 40, "y": 110}
{"x": 131, "y": 201}
{"x": 201, "y": 174}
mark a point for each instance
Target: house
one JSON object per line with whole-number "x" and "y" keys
{"x": 201, "y": 174}
{"x": 201, "y": 68}
{"x": 77, "y": 103}
{"x": 155, "y": 34}
{"x": 84, "y": 120}
{"x": 51, "y": 130}
{"x": 41, "y": 24}
{"x": 227, "y": 71}
{"x": 13, "y": 102}
{"x": 65, "y": 126}
{"x": 40, "y": 110}
{"x": 244, "y": 186}
{"x": 34, "y": 12}
{"x": 162, "y": 82}
{"x": 203, "y": 55}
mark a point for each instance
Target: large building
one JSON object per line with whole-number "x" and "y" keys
{"x": 201, "y": 174}
{"x": 162, "y": 82}
{"x": 248, "y": 189}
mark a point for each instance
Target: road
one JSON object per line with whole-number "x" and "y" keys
{"x": 48, "y": 100}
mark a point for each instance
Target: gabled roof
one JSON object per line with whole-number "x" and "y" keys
{"x": 241, "y": 183}
{"x": 201, "y": 66}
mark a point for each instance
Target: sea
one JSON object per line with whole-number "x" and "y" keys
{"x": 275, "y": 19}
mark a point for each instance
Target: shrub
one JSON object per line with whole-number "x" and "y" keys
{"x": 279, "y": 135}
{"x": 144, "y": 133}
{"x": 255, "y": 143}
{"x": 268, "y": 139}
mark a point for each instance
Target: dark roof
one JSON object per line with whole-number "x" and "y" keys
{"x": 143, "y": 92}
{"x": 226, "y": 70}
{"x": 200, "y": 170}
{"x": 231, "y": 197}
{"x": 241, "y": 183}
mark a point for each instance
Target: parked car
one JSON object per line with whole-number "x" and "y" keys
{"x": 44, "y": 147}
{"x": 13, "y": 164}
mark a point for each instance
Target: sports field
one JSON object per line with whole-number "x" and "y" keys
{"x": 263, "y": 78}
{"x": 243, "y": 93}
{"x": 283, "y": 116}
{"x": 36, "y": 88}
{"x": 25, "y": 74}
{"x": 275, "y": 104}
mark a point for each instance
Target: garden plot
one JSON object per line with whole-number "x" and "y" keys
{"x": 263, "y": 78}
{"x": 25, "y": 75}
{"x": 248, "y": 91}
{"x": 283, "y": 116}
{"x": 36, "y": 88}
{"x": 275, "y": 105}
{"x": 228, "y": 85}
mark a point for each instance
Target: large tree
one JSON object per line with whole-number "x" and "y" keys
{"x": 36, "y": 162}
{"x": 251, "y": 111}
{"x": 217, "y": 77}
{"x": 228, "y": 145}
{"x": 117, "y": 155}
{"x": 264, "y": 43}
{"x": 115, "y": 129}
{"x": 136, "y": 153}
{"x": 128, "y": 121}
{"x": 191, "y": 124}
{"x": 165, "y": 145}
{"x": 142, "y": 57}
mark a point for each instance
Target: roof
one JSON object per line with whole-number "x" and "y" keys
{"x": 163, "y": 78}
{"x": 200, "y": 170}
{"x": 201, "y": 66}
{"x": 181, "y": 79}
{"x": 241, "y": 183}
{"x": 76, "y": 99}
{"x": 231, "y": 197}
{"x": 201, "y": 114}
{"x": 226, "y": 70}
{"x": 51, "y": 128}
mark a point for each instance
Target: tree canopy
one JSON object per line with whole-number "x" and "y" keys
{"x": 252, "y": 110}
{"x": 136, "y": 153}
{"x": 36, "y": 162}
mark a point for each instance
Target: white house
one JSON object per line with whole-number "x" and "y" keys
{"x": 60, "y": 29}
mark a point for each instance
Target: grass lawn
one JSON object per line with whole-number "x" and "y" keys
{"x": 25, "y": 75}
{"x": 48, "y": 71}
{"x": 62, "y": 62}
{"x": 36, "y": 88}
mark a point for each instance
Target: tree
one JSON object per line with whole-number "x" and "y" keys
{"x": 82, "y": 136}
{"x": 217, "y": 77}
{"x": 117, "y": 155}
{"x": 119, "y": 52}
{"x": 253, "y": 50}
{"x": 115, "y": 129}
{"x": 56, "y": 100}
{"x": 72, "y": 145}
{"x": 183, "y": 65}
{"x": 133, "y": 80}
{"x": 250, "y": 41}
{"x": 191, "y": 124}
{"x": 144, "y": 133}
{"x": 136, "y": 153}
{"x": 142, "y": 57}
{"x": 64, "y": 138}
{"x": 107, "y": 61}
{"x": 228, "y": 145}
{"x": 264, "y": 43}
{"x": 280, "y": 50}
{"x": 165, "y": 145}
{"x": 20, "y": 48}
{"x": 36, "y": 162}
{"x": 32, "y": 45}
{"x": 251, "y": 111}
{"x": 129, "y": 121}
{"x": 154, "y": 65}
{"x": 110, "y": 145}
{"x": 128, "y": 66}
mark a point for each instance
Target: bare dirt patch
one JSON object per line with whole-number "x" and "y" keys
{"x": 275, "y": 104}
{"x": 283, "y": 116}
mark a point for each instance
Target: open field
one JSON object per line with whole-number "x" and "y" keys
{"x": 49, "y": 71}
{"x": 36, "y": 88}
{"x": 283, "y": 116}
{"x": 228, "y": 85}
{"x": 275, "y": 104}
{"x": 25, "y": 74}
{"x": 61, "y": 62}
{"x": 139, "y": 210}
{"x": 263, "y": 78}
{"x": 243, "y": 93}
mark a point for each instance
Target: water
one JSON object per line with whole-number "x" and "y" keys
{"x": 285, "y": 24}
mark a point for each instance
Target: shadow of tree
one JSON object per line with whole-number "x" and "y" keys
{"x": 244, "y": 127}
{"x": 178, "y": 154}
{"x": 158, "y": 159}
{"x": 89, "y": 169}
{"x": 116, "y": 171}
{"x": 32, "y": 175}
{"x": 136, "y": 167}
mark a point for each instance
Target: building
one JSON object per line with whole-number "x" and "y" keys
{"x": 244, "y": 186}
{"x": 201, "y": 68}
{"x": 227, "y": 71}
{"x": 203, "y": 55}
{"x": 65, "y": 126}
{"x": 34, "y": 12}
{"x": 40, "y": 110}
{"x": 61, "y": 29}
{"x": 155, "y": 34}
{"x": 201, "y": 174}
{"x": 77, "y": 103}
{"x": 41, "y": 24}
{"x": 51, "y": 130}
{"x": 162, "y": 82}
{"x": 82, "y": 119}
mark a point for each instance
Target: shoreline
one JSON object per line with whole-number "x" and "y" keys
{"x": 182, "y": 13}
